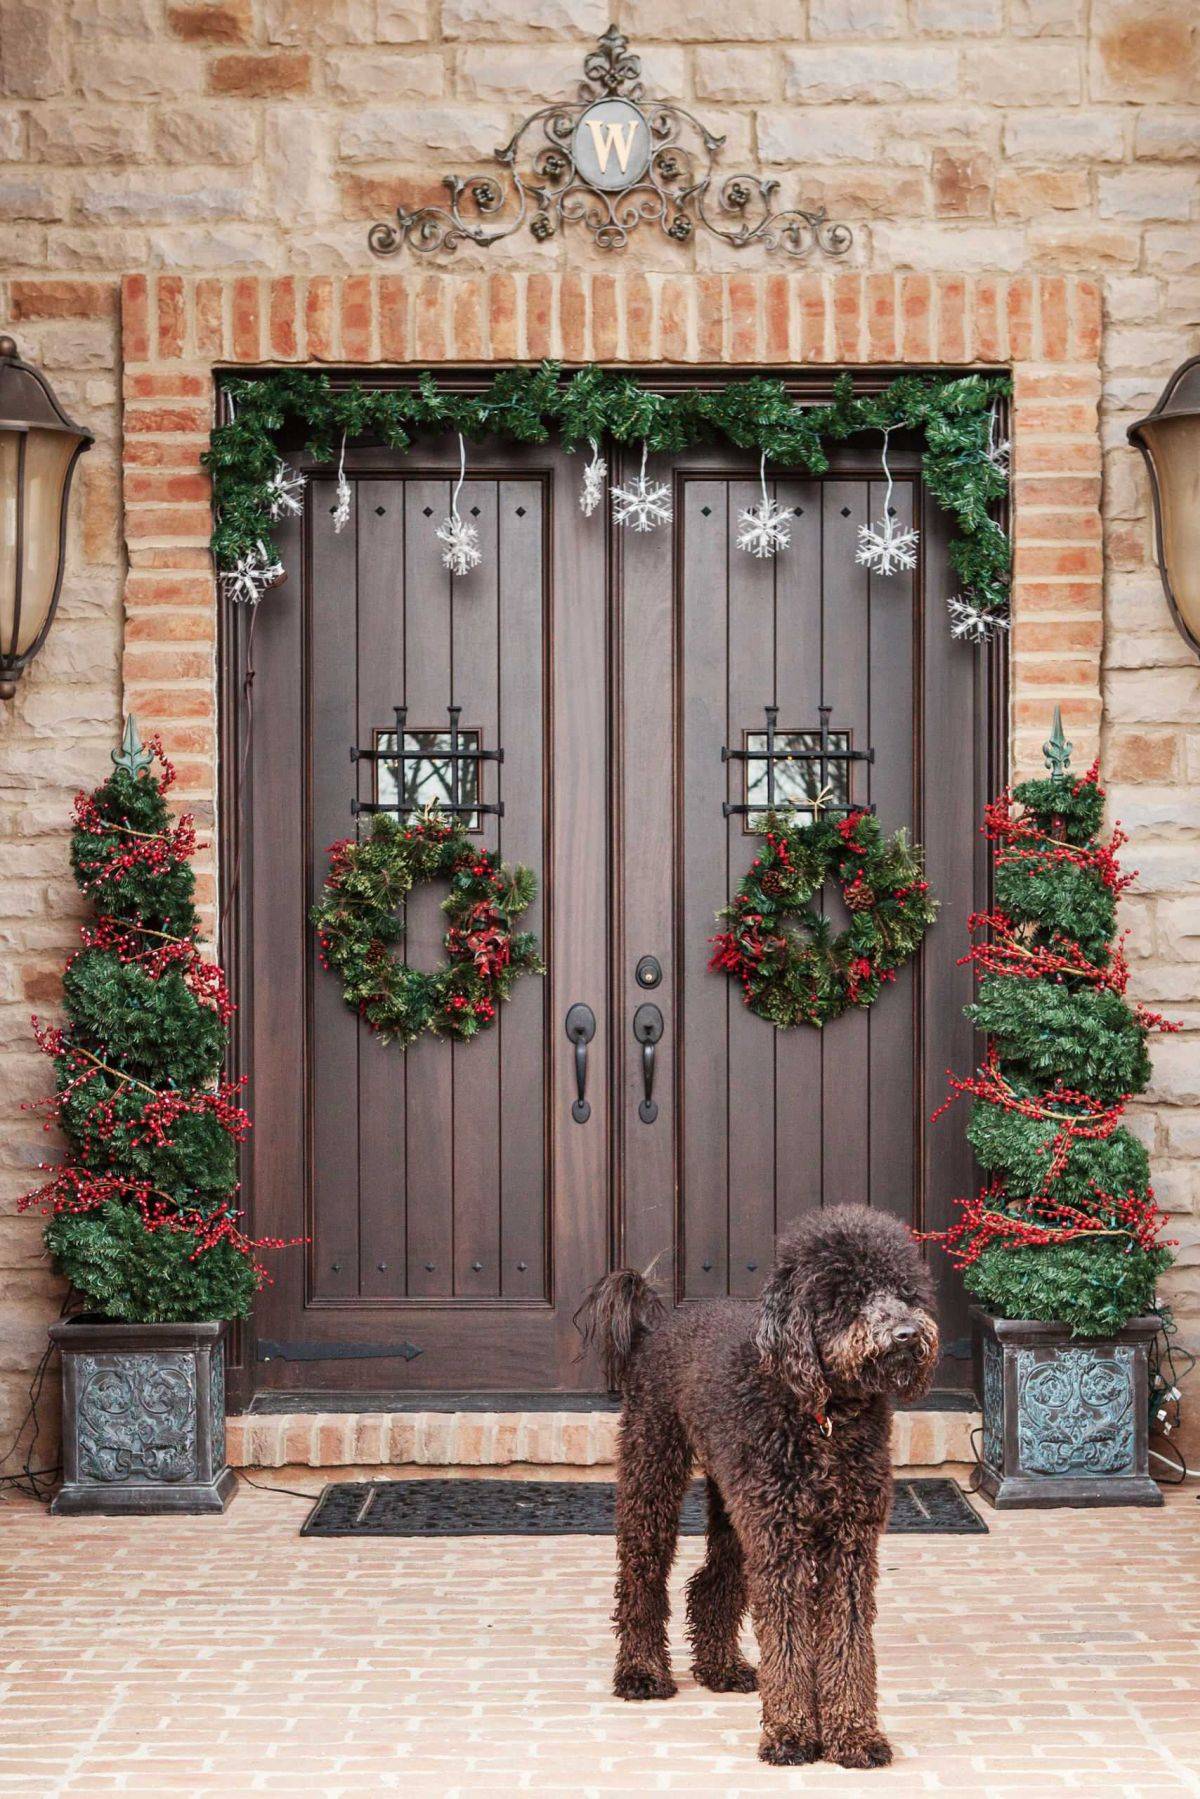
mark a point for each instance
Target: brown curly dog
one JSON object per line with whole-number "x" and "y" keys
{"x": 786, "y": 1405}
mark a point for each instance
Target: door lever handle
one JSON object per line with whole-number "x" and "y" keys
{"x": 647, "y": 1029}
{"x": 581, "y": 1028}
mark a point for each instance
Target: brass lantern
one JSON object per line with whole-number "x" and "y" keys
{"x": 1169, "y": 439}
{"x": 39, "y": 447}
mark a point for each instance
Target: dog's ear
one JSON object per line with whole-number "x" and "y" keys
{"x": 785, "y": 1338}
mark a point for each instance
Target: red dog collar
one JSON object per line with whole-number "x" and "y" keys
{"x": 824, "y": 1422}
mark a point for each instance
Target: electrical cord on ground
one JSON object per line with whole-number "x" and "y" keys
{"x": 38, "y": 1483}
{"x": 291, "y": 1492}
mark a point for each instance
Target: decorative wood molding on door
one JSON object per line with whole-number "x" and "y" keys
{"x": 1047, "y": 328}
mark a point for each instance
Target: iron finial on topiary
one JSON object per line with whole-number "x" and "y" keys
{"x": 1056, "y": 749}
{"x": 132, "y": 754}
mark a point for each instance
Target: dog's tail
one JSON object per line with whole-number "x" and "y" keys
{"x": 617, "y": 1315}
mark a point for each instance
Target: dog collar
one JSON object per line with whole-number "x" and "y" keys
{"x": 824, "y": 1422}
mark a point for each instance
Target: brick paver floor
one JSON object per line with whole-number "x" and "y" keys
{"x": 221, "y": 1656}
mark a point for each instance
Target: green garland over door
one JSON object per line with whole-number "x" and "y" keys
{"x": 964, "y": 466}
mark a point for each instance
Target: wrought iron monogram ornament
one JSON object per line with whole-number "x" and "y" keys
{"x": 611, "y": 161}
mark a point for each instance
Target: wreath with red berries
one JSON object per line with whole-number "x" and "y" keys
{"x": 794, "y": 968}
{"x": 360, "y": 928}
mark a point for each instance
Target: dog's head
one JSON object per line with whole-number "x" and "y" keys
{"x": 848, "y": 1310}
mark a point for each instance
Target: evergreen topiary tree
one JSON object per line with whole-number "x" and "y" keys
{"x": 141, "y": 1220}
{"x": 1066, "y": 1229}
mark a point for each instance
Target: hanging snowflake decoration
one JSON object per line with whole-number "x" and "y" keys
{"x": 594, "y": 473}
{"x": 342, "y": 495}
{"x": 284, "y": 492}
{"x": 461, "y": 552}
{"x": 251, "y": 576}
{"x": 972, "y": 623}
{"x": 887, "y": 547}
{"x": 765, "y": 527}
{"x": 998, "y": 448}
{"x": 644, "y": 504}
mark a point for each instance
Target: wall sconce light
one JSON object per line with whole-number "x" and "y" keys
{"x": 1169, "y": 439}
{"x": 39, "y": 447}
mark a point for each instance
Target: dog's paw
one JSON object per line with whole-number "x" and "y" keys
{"x": 784, "y": 1750}
{"x": 730, "y": 1677}
{"x": 644, "y": 1683}
{"x": 869, "y": 1749}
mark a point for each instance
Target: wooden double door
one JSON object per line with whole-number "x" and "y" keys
{"x": 455, "y": 1205}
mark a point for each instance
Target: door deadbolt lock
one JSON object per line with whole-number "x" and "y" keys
{"x": 648, "y": 972}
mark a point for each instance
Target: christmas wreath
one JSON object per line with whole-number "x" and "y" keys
{"x": 793, "y": 966}
{"x": 360, "y": 925}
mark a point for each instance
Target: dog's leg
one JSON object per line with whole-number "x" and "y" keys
{"x": 845, "y": 1616}
{"x": 654, "y": 1464}
{"x": 780, "y": 1605}
{"x": 716, "y": 1605}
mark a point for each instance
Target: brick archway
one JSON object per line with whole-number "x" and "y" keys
{"x": 176, "y": 329}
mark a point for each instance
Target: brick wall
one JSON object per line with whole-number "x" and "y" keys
{"x": 227, "y": 156}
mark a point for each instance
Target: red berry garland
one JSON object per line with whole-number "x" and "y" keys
{"x": 810, "y": 975}
{"x": 360, "y": 926}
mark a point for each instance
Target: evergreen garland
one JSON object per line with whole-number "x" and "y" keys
{"x": 530, "y": 404}
{"x": 141, "y": 1210}
{"x": 1066, "y": 1229}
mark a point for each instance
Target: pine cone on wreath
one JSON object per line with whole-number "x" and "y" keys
{"x": 773, "y": 883}
{"x": 859, "y": 897}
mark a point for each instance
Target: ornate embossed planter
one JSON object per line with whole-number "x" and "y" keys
{"x": 1065, "y": 1419}
{"x": 143, "y": 1417}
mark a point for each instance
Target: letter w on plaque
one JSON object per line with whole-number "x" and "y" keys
{"x": 611, "y": 145}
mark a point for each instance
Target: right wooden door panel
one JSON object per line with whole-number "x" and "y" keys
{"x": 757, "y": 1125}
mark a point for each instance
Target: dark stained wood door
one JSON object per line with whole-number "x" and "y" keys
{"x": 452, "y": 1223}
{"x": 757, "y": 1126}
{"x": 456, "y": 1213}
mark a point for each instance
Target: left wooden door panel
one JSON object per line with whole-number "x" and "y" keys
{"x": 441, "y": 1210}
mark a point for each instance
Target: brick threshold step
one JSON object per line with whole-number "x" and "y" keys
{"x": 575, "y": 1431}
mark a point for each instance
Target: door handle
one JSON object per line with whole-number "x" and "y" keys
{"x": 648, "y": 1028}
{"x": 581, "y": 1028}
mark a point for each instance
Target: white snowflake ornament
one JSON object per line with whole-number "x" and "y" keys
{"x": 999, "y": 449}
{"x": 888, "y": 547}
{"x": 285, "y": 492}
{"x": 461, "y": 552}
{"x": 971, "y": 623}
{"x": 342, "y": 496}
{"x": 765, "y": 527}
{"x": 644, "y": 504}
{"x": 251, "y": 576}
{"x": 594, "y": 473}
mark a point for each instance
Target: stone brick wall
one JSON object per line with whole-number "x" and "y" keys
{"x": 1020, "y": 176}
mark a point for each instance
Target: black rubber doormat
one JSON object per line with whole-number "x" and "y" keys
{"x": 565, "y": 1508}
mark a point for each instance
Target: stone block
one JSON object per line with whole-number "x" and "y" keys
{"x": 259, "y": 77}
{"x": 736, "y": 73}
{"x": 137, "y": 72}
{"x": 824, "y": 73}
{"x": 367, "y": 75}
{"x": 1025, "y": 74}
{"x": 958, "y": 18}
{"x": 1083, "y": 248}
{"x": 164, "y": 200}
{"x": 1145, "y": 194}
{"x": 205, "y": 133}
{"x": 1176, "y": 1065}
{"x": 962, "y": 183}
{"x": 964, "y": 248}
{"x": 1047, "y": 18}
{"x": 31, "y": 196}
{"x": 1032, "y": 193}
{"x": 212, "y": 22}
{"x": 1172, "y": 250}
{"x": 860, "y": 18}
{"x": 1142, "y": 50}
{"x": 306, "y": 22}
{"x": 406, "y": 134}
{"x": 1086, "y": 136}
{"x": 1165, "y": 136}
{"x": 808, "y": 135}
{"x": 35, "y": 61}
{"x": 82, "y": 133}
{"x": 298, "y": 162}
{"x": 115, "y": 18}
{"x": 400, "y": 22}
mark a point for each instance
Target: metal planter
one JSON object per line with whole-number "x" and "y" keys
{"x": 1065, "y": 1419}
{"x": 143, "y": 1418}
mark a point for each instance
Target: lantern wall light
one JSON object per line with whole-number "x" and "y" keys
{"x": 1169, "y": 439}
{"x": 39, "y": 447}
